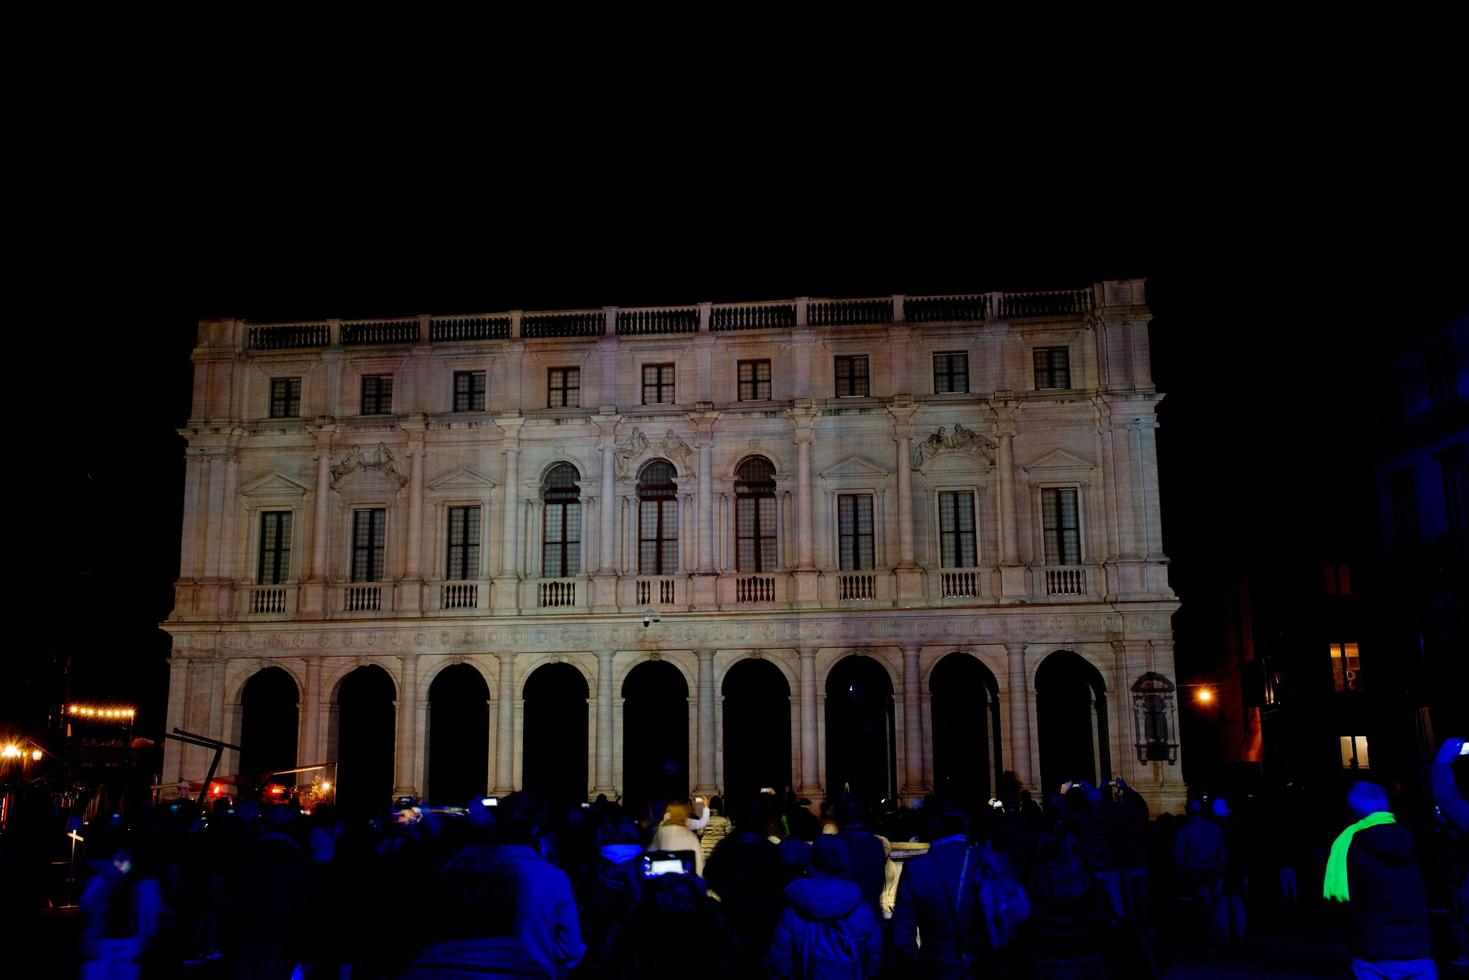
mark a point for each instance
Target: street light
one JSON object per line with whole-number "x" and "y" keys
{"x": 11, "y": 751}
{"x": 1205, "y": 695}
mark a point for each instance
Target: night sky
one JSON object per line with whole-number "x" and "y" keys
{"x": 1274, "y": 317}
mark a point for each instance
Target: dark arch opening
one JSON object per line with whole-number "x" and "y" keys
{"x": 1071, "y": 719}
{"x": 860, "y": 733}
{"x": 555, "y": 734}
{"x": 655, "y": 735}
{"x": 268, "y": 724}
{"x": 757, "y": 729}
{"x": 364, "y": 738}
{"x": 458, "y": 735}
{"x": 966, "y": 729}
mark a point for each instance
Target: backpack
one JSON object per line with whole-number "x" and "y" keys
{"x": 832, "y": 952}
{"x": 1006, "y": 905}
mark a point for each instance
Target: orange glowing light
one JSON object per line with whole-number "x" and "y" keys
{"x": 1205, "y": 695}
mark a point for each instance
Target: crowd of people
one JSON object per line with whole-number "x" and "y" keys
{"x": 1079, "y": 886}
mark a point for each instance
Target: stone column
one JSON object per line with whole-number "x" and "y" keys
{"x": 505, "y": 726}
{"x": 1014, "y": 585}
{"x": 704, "y": 779}
{"x": 807, "y": 577}
{"x": 915, "y": 781}
{"x": 810, "y": 784}
{"x": 604, "y": 726}
{"x": 1017, "y": 689}
{"x": 308, "y": 749}
{"x": 405, "y": 778}
{"x": 507, "y": 585}
{"x": 413, "y": 570}
{"x": 607, "y": 558}
{"x": 909, "y": 573}
{"x": 320, "y": 565}
{"x": 706, "y": 504}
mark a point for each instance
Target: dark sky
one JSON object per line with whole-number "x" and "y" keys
{"x": 1273, "y": 312}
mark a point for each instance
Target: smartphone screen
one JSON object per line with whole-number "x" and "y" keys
{"x": 657, "y": 863}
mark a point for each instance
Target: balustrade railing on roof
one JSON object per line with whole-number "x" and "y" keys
{"x": 652, "y": 320}
{"x": 1051, "y": 302}
{"x": 288, "y": 336}
{"x": 360, "y": 333}
{"x": 449, "y": 329}
{"x": 658, "y": 320}
{"x": 576, "y": 323}
{"x": 849, "y": 312}
{"x": 946, "y": 309}
{"x": 752, "y": 316}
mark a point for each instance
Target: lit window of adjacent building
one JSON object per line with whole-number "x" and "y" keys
{"x": 561, "y": 527}
{"x": 1061, "y": 525}
{"x": 851, "y": 376}
{"x": 657, "y": 384}
{"x": 463, "y": 544}
{"x": 754, "y": 378}
{"x": 856, "y": 542}
{"x": 469, "y": 391}
{"x": 1455, "y": 488}
{"x": 1354, "y": 752}
{"x": 957, "y": 547}
{"x": 1346, "y": 667}
{"x": 1443, "y": 377}
{"x": 1402, "y": 496}
{"x": 377, "y": 394}
{"x": 563, "y": 388}
{"x": 657, "y": 520}
{"x": 285, "y": 398}
{"x": 369, "y": 544}
{"x": 755, "y": 515}
{"x": 275, "y": 548}
{"x": 1338, "y": 580}
{"x": 950, "y": 372}
{"x": 1052, "y": 367}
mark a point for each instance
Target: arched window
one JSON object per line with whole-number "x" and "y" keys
{"x": 561, "y": 530}
{"x": 755, "y": 515}
{"x": 1152, "y": 714}
{"x": 657, "y": 520}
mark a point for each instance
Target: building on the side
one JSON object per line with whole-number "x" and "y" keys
{"x": 879, "y": 545}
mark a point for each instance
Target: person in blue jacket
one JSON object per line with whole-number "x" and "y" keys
{"x": 826, "y": 929}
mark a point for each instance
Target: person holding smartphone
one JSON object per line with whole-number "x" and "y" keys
{"x": 1455, "y": 810}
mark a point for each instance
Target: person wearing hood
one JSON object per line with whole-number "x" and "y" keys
{"x": 827, "y": 928}
{"x": 609, "y": 892}
{"x": 1372, "y": 867}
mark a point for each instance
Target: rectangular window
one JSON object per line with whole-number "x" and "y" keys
{"x": 561, "y": 540}
{"x": 1455, "y": 488}
{"x": 564, "y": 388}
{"x": 754, "y": 381}
{"x": 657, "y": 384}
{"x": 1052, "y": 368}
{"x": 1443, "y": 381}
{"x": 285, "y": 398}
{"x": 463, "y": 544}
{"x": 956, "y": 531}
{"x": 1338, "y": 580}
{"x": 1061, "y": 526}
{"x": 469, "y": 391}
{"x": 1404, "y": 501}
{"x": 854, "y": 532}
{"x": 658, "y": 536}
{"x": 851, "y": 375}
{"x": 275, "y": 548}
{"x": 368, "y": 544}
{"x": 377, "y": 394}
{"x": 950, "y": 372}
{"x": 755, "y": 532}
{"x": 1346, "y": 667}
{"x": 1354, "y": 752}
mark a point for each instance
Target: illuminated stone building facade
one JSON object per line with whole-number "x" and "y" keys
{"x": 884, "y": 544}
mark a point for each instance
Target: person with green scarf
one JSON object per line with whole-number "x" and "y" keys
{"x": 1373, "y": 869}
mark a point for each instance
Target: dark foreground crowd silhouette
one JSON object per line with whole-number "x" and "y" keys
{"x": 1083, "y": 886}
